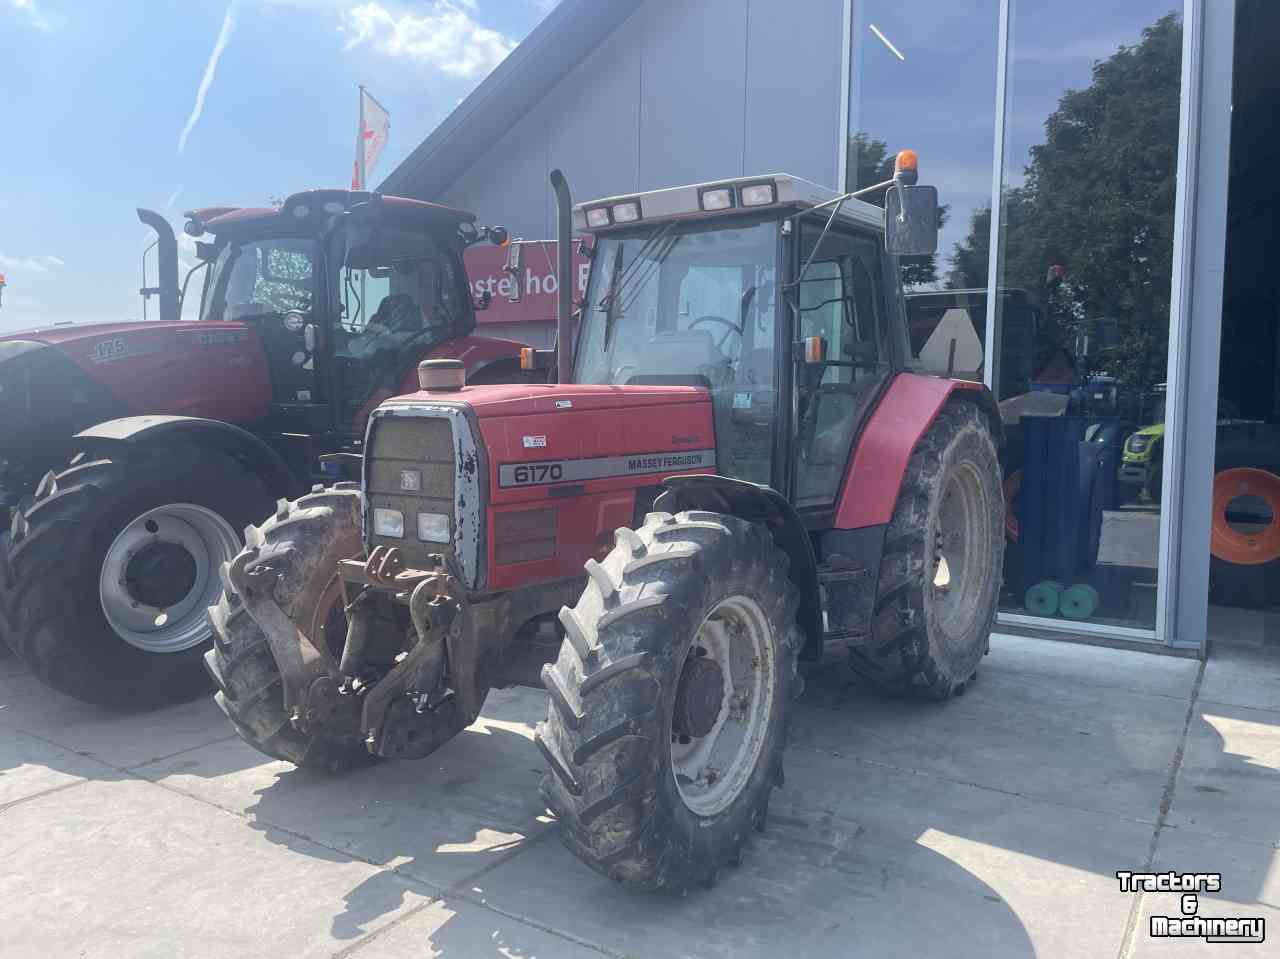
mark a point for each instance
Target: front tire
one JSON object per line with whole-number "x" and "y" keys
{"x": 670, "y": 699}
{"x": 104, "y": 579}
{"x": 941, "y": 568}
{"x": 303, "y": 543}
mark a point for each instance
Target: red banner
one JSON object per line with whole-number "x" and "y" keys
{"x": 486, "y": 270}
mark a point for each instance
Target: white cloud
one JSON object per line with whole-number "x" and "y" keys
{"x": 35, "y": 16}
{"x": 445, "y": 38}
{"x": 29, "y": 264}
{"x": 228, "y": 24}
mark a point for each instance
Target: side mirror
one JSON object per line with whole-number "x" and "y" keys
{"x": 514, "y": 267}
{"x": 911, "y": 220}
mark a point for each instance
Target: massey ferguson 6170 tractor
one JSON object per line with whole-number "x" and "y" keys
{"x": 184, "y": 432}
{"x": 735, "y": 449}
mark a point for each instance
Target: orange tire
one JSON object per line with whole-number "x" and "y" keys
{"x": 1230, "y": 545}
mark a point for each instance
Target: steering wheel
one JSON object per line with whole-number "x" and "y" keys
{"x": 711, "y": 318}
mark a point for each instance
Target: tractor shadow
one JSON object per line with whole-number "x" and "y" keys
{"x": 428, "y": 824}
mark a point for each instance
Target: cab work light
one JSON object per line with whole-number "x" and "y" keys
{"x": 598, "y": 217}
{"x": 758, "y": 194}
{"x": 718, "y": 198}
{"x": 628, "y": 212}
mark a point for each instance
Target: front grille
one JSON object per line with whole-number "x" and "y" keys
{"x": 412, "y": 444}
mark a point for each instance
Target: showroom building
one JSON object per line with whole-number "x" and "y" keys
{"x": 1127, "y": 321}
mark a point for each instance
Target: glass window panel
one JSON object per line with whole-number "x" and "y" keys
{"x": 926, "y": 79}
{"x": 1082, "y": 305}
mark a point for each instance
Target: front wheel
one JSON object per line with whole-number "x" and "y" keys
{"x": 106, "y": 577}
{"x": 670, "y": 699}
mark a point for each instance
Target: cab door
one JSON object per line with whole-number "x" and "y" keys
{"x": 842, "y": 298}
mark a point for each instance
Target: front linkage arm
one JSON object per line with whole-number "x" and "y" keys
{"x": 412, "y": 709}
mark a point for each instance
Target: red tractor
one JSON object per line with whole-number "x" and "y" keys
{"x": 736, "y": 452}
{"x": 179, "y": 434}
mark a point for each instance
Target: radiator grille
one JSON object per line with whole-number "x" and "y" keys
{"x": 412, "y": 444}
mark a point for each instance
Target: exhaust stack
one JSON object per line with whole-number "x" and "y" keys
{"x": 564, "y": 276}
{"x": 166, "y": 263}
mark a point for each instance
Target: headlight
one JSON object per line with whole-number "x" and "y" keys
{"x": 598, "y": 217}
{"x": 388, "y": 522}
{"x": 721, "y": 198}
{"x": 626, "y": 212}
{"x": 759, "y": 194}
{"x": 433, "y": 527}
{"x": 1137, "y": 444}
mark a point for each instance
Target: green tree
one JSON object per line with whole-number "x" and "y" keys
{"x": 1098, "y": 201}
{"x": 868, "y": 162}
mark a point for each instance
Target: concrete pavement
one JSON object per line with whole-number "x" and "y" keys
{"x": 992, "y": 826}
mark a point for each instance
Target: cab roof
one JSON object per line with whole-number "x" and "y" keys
{"x": 692, "y": 201}
{"x": 311, "y": 208}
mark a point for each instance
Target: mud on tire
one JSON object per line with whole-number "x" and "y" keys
{"x": 932, "y": 619}
{"x": 51, "y": 612}
{"x": 608, "y": 736}
{"x": 302, "y": 542}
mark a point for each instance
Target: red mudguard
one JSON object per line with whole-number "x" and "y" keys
{"x": 906, "y": 411}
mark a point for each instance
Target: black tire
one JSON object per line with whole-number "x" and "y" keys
{"x": 50, "y": 610}
{"x": 608, "y": 733}
{"x": 918, "y": 642}
{"x": 303, "y": 542}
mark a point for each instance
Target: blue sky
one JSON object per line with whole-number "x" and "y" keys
{"x": 96, "y": 97}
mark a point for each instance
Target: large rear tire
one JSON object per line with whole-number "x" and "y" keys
{"x": 670, "y": 699}
{"x": 104, "y": 579}
{"x": 940, "y": 570}
{"x": 303, "y": 542}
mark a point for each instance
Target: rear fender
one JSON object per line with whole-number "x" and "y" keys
{"x": 139, "y": 431}
{"x": 759, "y": 504}
{"x": 903, "y": 416}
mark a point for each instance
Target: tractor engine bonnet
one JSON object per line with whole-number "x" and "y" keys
{"x": 524, "y": 483}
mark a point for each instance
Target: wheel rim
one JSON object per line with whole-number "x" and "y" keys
{"x": 958, "y": 552}
{"x": 712, "y": 769}
{"x": 160, "y": 574}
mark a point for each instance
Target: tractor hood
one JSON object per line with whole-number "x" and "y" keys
{"x": 61, "y": 379}
{"x": 71, "y": 333}
{"x": 523, "y": 399}
{"x": 522, "y": 468}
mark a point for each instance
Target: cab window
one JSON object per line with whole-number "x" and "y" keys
{"x": 841, "y": 300}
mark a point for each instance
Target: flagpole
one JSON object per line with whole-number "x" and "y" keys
{"x": 364, "y": 305}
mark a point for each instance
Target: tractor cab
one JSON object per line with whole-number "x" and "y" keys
{"x": 772, "y": 293}
{"x": 346, "y": 292}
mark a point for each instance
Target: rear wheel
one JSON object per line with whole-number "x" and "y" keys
{"x": 303, "y": 543}
{"x": 670, "y": 699}
{"x": 106, "y": 577}
{"x": 940, "y": 570}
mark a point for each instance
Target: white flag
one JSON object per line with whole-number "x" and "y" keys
{"x": 375, "y": 127}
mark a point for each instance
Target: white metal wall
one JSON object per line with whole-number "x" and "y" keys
{"x": 683, "y": 91}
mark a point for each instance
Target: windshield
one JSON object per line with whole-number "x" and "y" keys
{"x": 692, "y": 304}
